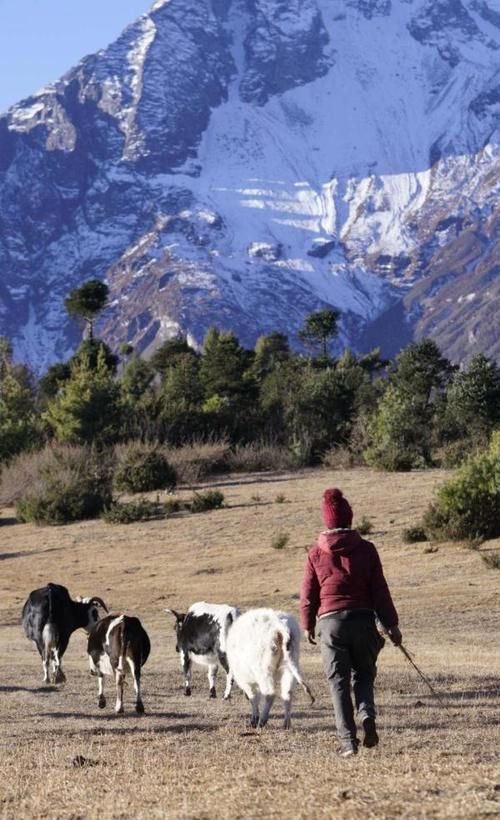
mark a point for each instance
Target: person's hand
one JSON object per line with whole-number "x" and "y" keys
{"x": 309, "y": 636}
{"x": 395, "y": 635}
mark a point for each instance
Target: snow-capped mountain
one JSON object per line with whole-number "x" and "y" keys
{"x": 244, "y": 162}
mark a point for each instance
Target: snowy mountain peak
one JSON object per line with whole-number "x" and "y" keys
{"x": 243, "y": 162}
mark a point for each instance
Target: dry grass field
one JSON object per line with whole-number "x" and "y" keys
{"x": 195, "y": 758}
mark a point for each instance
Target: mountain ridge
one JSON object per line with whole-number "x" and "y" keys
{"x": 244, "y": 163}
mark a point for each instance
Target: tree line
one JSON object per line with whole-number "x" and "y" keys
{"x": 417, "y": 410}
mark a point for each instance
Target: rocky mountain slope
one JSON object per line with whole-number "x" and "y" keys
{"x": 243, "y": 162}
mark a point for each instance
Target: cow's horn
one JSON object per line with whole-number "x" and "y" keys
{"x": 99, "y": 602}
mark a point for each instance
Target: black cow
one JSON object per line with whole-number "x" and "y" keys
{"x": 49, "y": 618}
{"x": 201, "y": 637}
{"x": 114, "y": 642}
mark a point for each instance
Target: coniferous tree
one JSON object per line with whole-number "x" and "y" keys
{"x": 86, "y": 302}
{"x": 88, "y": 407}
{"x": 473, "y": 399}
{"x": 271, "y": 352}
{"x": 402, "y": 426}
{"x": 170, "y": 353}
{"x": 319, "y": 329}
{"x": 19, "y": 422}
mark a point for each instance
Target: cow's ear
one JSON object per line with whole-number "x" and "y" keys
{"x": 179, "y": 616}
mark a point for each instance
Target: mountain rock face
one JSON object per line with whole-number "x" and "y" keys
{"x": 241, "y": 163}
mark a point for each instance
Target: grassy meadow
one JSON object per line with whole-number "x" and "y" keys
{"x": 195, "y": 758}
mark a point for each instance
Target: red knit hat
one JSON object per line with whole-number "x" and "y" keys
{"x": 336, "y": 510}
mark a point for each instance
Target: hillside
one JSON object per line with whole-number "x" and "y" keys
{"x": 194, "y": 758}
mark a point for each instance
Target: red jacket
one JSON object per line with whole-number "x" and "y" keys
{"x": 343, "y": 571}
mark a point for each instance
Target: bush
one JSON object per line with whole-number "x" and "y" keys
{"x": 210, "y": 500}
{"x": 72, "y": 484}
{"x": 340, "y": 457}
{"x": 21, "y": 476}
{"x": 171, "y": 505}
{"x": 280, "y": 541}
{"x": 128, "y": 512}
{"x": 365, "y": 526}
{"x": 259, "y": 457}
{"x": 492, "y": 560}
{"x": 280, "y": 499}
{"x": 141, "y": 470}
{"x": 195, "y": 461}
{"x": 452, "y": 454}
{"x": 468, "y": 506}
{"x": 414, "y": 535}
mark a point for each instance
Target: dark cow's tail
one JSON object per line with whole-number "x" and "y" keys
{"x": 50, "y": 634}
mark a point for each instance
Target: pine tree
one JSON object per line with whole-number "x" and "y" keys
{"x": 88, "y": 408}
{"x": 271, "y": 351}
{"x": 473, "y": 398}
{"x": 19, "y": 422}
{"x": 169, "y": 354}
{"x": 319, "y": 329}
{"x": 87, "y": 301}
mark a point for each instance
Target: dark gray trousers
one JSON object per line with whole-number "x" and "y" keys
{"x": 349, "y": 649}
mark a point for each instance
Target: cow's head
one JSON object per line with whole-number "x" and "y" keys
{"x": 179, "y": 620}
{"x": 93, "y": 611}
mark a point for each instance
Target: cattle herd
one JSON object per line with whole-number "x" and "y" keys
{"x": 259, "y": 649}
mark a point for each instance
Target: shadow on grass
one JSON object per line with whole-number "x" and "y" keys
{"x": 8, "y": 521}
{"x": 255, "y": 479}
{"x": 37, "y": 690}
{"x": 108, "y": 714}
{"x": 4, "y": 556}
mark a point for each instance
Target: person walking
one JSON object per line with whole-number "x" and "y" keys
{"x": 344, "y": 588}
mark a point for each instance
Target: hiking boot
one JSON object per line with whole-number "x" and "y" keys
{"x": 370, "y": 738}
{"x": 349, "y": 748}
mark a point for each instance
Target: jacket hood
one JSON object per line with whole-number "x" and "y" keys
{"x": 340, "y": 541}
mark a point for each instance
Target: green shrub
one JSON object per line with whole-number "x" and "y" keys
{"x": 128, "y": 512}
{"x": 280, "y": 541}
{"x": 468, "y": 506}
{"x": 142, "y": 469}
{"x": 280, "y": 499}
{"x": 452, "y": 454}
{"x": 413, "y": 535}
{"x": 210, "y": 500}
{"x": 172, "y": 505}
{"x": 365, "y": 526}
{"x": 73, "y": 485}
{"x": 492, "y": 560}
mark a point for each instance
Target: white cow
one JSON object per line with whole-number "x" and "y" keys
{"x": 262, "y": 647}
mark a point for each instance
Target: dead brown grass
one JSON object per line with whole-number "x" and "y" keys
{"x": 191, "y": 758}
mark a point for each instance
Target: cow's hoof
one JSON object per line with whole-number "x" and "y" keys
{"x": 261, "y": 724}
{"x": 227, "y": 697}
{"x": 212, "y": 693}
{"x": 119, "y": 711}
{"x": 254, "y": 722}
{"x": 287, "y": 723}
{"x": 187, "y": 691}
{"x": 59, "y": 676}
{"x": 101, "y": 702}
{"x": 139, "y": 707}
